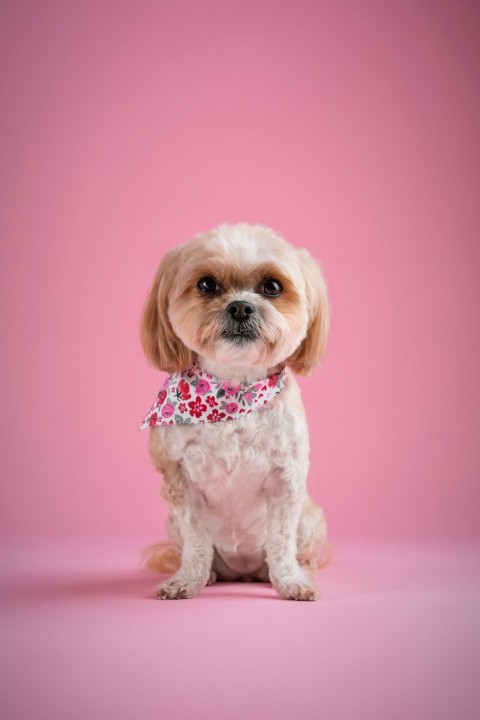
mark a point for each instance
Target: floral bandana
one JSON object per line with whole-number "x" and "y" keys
{"x": 193, "y": 396}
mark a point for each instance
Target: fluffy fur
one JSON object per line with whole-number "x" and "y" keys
{"x": 239, "y": 507}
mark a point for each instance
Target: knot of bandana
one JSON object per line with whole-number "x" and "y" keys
{"x": 193, "y": 396}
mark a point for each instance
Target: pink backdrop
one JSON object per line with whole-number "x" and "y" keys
{"x": 350, "y": 128}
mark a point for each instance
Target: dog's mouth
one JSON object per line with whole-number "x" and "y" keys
{"x": 242, "y": 332}
{"x": 240, "y": 335}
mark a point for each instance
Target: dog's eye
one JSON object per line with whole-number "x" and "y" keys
{"x": 272, "y": 287}
{"x": 207, "y": 284}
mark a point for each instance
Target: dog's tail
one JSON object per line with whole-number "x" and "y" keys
{"x": 326, "y": 554}
{"x": 161, "y": 557}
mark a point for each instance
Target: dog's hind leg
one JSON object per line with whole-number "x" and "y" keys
{"x": 312, "y": 546}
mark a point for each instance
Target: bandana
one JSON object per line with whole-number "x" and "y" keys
{"x": 194, "y": 396}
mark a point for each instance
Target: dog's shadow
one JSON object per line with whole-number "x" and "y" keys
{"x": 131, "y": 585}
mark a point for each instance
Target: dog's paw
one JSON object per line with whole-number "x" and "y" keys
{"x": 298, "y": 591}
{"x": 177, "y": 589}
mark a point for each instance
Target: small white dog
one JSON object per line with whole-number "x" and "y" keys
{"x": 230, "y": 315}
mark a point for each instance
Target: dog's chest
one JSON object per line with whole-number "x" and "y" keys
{"x": 228, "y": 472}
{"x": 230, "y": 468}
{"x": 229, "y": 462}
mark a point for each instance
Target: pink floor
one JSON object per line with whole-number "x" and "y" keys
{"x": 395, "y": 635}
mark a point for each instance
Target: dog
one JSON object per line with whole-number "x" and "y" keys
{"x": 232, "y": 315}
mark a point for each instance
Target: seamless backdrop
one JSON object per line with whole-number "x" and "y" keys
{"x": 349, "y": 127}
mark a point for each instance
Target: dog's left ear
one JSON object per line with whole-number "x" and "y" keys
{"x": 313, "y": 346}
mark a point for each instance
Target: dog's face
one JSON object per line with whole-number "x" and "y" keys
{"x": 240, "y": 296}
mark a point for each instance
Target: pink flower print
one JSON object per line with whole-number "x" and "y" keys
{"x": 210, "y": 400}
{"x": 231, "y": 408}
{"x": 230, "y": 388}
{"x": 272, "y": 381}
{"x": 215, "y": 416}
{"x": 161, "y": 398}
{"x": 184, "y": 390}
{"x": 257, "y": 386}
{"x": 197, "y": 408}
{"x": 248, "y": 397}
{"x": 153, "y": 420}
{"x": 202, "y": 387}
{"x": 167, "y": 410}
{"x": 182, "y": 407}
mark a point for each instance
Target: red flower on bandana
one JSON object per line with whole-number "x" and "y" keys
{"x": 184, "y": 390}
{"x": 215, "y": 416}
{"x": 182, "y": 407}
{"x": 197, "y": 408}
{"x": 153, "y": 420}
{"x": 210, "y": 400}
{"x": 272, "y": 381}
{"x": 161, "y": 398}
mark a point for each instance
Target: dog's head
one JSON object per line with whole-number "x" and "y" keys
{"x": 240, "y": 296}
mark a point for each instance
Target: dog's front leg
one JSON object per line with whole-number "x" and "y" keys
{"x": 197, "y": 556}
{"x": 286, "y": 575}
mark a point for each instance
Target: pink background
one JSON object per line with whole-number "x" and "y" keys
{"x": 350, "y": 126}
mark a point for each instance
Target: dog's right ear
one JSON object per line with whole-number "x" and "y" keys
{"x": 160, "y": 344}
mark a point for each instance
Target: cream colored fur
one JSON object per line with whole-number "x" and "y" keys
{"x": 237, "y": 490}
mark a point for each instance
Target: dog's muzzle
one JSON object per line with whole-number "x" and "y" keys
{"x": 241, "y": 323}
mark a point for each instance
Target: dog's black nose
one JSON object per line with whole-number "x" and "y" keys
{"x": 239, "y": 310}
